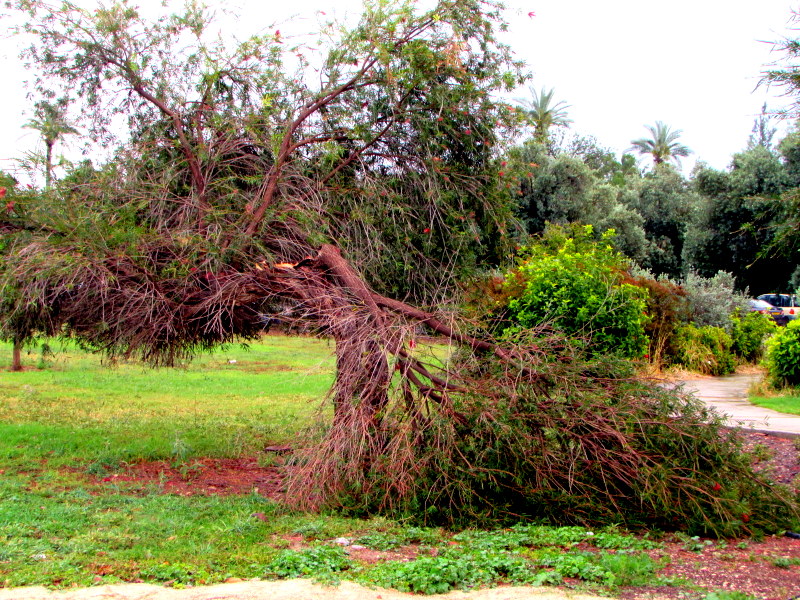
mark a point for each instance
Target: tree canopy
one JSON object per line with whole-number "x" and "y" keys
{"x": 236, "y": 163}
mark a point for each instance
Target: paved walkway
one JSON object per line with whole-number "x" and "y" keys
{"x": 729, "y": 396}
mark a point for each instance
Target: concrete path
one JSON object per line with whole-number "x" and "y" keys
{"x": 729, "y": 396}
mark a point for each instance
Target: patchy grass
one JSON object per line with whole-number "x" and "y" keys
{"x": 58, "y": 529}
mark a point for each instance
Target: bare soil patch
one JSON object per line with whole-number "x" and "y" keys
{"x": 205, "y": 477}
{"x": 752, "y": 568}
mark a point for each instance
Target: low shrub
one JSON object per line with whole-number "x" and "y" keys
{"x": 705, "y": 349}
{"x": 783, "y": 355}
{"x": 712, "y": 300}
{"x": 666, "y": 309}
{"x": 750, "y": 331}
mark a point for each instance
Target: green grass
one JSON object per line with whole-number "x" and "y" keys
{"x": 788, "y": 402}
{"x": 78, "y": 408}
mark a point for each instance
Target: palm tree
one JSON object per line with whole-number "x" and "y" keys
{"x": 662, "y": 145}
{"x": 50, "y": 122}
{"x": 543, "y": 114}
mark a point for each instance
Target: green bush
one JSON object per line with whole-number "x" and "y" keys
{"x": 712, "y": 300}
{"x": 783, "y": 355}
{"x": 577, "y": 284}
{"x": 704, "y": 349}
{"x": 749, "y": 333}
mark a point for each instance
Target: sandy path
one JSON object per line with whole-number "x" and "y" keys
{"x": 293, "y": 589}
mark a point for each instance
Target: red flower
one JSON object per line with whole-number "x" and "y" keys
{"x": 501, "y": 173}
{"x": 717, "y": 487}
{"x": 503, "y": 164}
{"x": 426, "y": 230}
{"x": 745, "y": 518}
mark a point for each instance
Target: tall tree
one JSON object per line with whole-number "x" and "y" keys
{"x": 763, "y": 131}
{"x": 542, "y": 113}
{"x": 668, "y": 204}
{"x": 51, "y": 122}
{"x": 662, "y": 145}
{"x": 737, "y": 222}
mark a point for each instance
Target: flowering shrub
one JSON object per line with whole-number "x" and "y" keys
{"x": 576, "y": 283}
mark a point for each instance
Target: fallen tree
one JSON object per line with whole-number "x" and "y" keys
{"x": 243, "y": 195}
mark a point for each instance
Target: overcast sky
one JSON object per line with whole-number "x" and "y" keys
{"x": 619, "y": 64}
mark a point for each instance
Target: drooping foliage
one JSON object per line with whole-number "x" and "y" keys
{"x": 569, "y": 441}
{"x": 235, "y": 163}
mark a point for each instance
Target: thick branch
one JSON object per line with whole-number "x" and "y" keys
{"x": 287, "y": 147}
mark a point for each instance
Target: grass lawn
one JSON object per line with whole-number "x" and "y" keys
{"x": 788, "y": 402}
{"x": 68, "y": 413}
{"x": 225, "y": 404}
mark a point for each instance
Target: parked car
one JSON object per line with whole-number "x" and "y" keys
{"x": 765, "y": 308}
{"x": 788, "y": 303}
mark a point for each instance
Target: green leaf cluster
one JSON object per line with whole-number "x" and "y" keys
{"x": 706, "y": 349}
{"x": 579, "y": 286}
{"x": 750, "y": 331}
{"x": 783, "y": 355}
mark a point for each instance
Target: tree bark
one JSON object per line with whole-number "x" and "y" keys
{"x": 16, "y": 356}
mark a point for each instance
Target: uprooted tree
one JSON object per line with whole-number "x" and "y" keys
{"x": 242, "y": 194}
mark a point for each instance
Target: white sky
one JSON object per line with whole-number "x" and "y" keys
{"x": 619, "y": 64}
